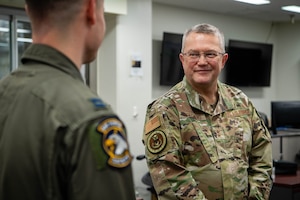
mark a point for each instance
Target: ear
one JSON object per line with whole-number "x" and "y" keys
{"x": 26, "y": 8}
{"x": 91, "y": 11}
{"x": 181, "y": 57}
{"x": 224, "y": 59}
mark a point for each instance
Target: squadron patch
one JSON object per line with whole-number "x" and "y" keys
{"x": 115, "y": 143}
{"x": 156, "y": 142}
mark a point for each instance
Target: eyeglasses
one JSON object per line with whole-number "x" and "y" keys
{"x": 208, "y": 55}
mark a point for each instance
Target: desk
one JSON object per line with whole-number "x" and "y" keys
{"x": 285, "y": 133}
{"x": 286, "y": 187}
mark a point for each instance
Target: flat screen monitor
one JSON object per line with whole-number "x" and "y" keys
{"x": 171, "y": 71}
{"x": 285, "y": 115}
{"x": 249, "y": 64}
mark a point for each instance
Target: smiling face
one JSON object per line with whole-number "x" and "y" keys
{"x": 202, "y": 72}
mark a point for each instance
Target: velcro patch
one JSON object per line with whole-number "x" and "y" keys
{"x": 98, "y": 103}
{"x": 114, "y": 142}
{"x": 152, "y": 124}
{"x": 156, "y": 142}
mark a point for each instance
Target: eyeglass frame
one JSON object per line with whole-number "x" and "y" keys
{"x": 205, "y": 54}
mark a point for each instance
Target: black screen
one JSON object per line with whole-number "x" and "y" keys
{"x": 249, "y": 64}
{"x": 285, "y": 115}
{"x": 171, "y": 71}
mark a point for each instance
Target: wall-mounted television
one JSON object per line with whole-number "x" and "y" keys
{"x": 249, "y": 64}
{"x": 285, "y": 115}
{"x": 171, "y": 71}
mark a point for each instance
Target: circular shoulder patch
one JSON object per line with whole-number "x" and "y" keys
{"x": 156, "y": 142}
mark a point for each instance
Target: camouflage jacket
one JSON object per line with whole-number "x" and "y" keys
{"x": 195, "y": 151}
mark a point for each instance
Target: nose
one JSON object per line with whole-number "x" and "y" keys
{"x": 202, "y": 59}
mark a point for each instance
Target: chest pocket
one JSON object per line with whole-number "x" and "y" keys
{"x": 199, "y": 146}
{"x": 197, "y": 141}
{"x": 237, "y": 133}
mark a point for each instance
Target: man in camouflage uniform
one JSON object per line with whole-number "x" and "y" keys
{"x": 204, "y": 139}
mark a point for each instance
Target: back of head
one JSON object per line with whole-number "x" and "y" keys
{"x": 57, "y": 11}
{"x": 54, "y": 23}
{"x": 205, "y": 29}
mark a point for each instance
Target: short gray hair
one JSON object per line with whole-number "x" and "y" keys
{"x": 205, "y": 29}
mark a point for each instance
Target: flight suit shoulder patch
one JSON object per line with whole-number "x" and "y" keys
{"x": 112, "y": 139}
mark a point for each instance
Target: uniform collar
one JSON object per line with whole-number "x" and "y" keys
{"x": 41, "y": 53}
{"x": 195, "y": 100}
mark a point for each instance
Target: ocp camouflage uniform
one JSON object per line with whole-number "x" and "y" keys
{"x": 195, "y": 151}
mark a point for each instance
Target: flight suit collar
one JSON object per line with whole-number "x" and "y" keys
{"x": 41, "y": 53}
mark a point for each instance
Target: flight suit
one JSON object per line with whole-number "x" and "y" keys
{"x": 59, "y": 140}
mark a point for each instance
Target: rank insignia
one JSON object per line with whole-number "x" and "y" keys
{"x": 156, "y": 142}
{"x": 114, "y": 142}
{"x": 98, "y": 103}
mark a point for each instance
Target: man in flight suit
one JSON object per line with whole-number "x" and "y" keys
{"x": 59, "y": 140}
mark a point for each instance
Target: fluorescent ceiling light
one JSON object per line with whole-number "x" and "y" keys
{"x": 255, "y": 2}
{"x": 295, "y": 9}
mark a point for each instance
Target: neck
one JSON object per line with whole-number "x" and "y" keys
{"x": 69, "y": 44}
{"x": 209, "y": 94}
{"x": 210, "y": 99}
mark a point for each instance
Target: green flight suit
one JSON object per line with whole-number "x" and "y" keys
{"x": 58, "y": 140}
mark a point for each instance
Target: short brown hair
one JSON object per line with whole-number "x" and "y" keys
{"x": 59, "y": 11}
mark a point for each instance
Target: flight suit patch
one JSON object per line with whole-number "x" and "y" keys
{"x": 156, "y": 142}
{"x": 98, "y": 103}
{"x": 114, "y": 142}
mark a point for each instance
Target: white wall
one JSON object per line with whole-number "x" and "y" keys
{"x": 288, "y": 62}
{"x": 128, "y": 35}
{"x": 140, "y": 32}
{"x": 134, "y": 37}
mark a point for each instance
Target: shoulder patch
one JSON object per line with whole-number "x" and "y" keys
{"x": 152, "y": 124}
{"x": 114, "y": 142}
{"x": 156, "y": 142}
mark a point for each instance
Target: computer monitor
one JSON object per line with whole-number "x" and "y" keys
{"x": 256, "y": 72}
{"x": 285, "y": 115}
